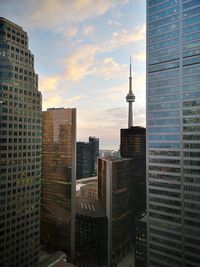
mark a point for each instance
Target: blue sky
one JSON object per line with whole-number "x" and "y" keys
{"x": 82, "y": 50}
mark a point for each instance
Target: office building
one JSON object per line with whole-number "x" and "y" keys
{"x": 58, "y": 179}
{"x": 173, "y": 133}
{"x": 57, "y": 259}
{"x": 87, "y": 153}
{"x": 89, "y": 190}
{"x": 133, "y": 142}
{"x": 118, "y": 199}
{"x": 91, "y": 234}
{"x": 133, "y": 145}
{"x": 141, "y": 240}
{"x": 20, "y": 149}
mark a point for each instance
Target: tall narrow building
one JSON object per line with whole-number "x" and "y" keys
{"x": 87, "y": 153}
{"x": 20, "y": 149}
{"x": 117, "y": 197}
{"x": 173, "y": 132}
{"x": 58, "y": 180}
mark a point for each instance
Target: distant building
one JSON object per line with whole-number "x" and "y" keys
{"x": 108, "y": 153}
{"x": 141, "y": 241}
{"x": 91, "y": 234}
{"x": 82, "y": 182}
{"x": 133, "y": 142}
{"x": 20, "y": 149}
{"x": 87, "y": 153}
{"x": 116, "y": 193}
{"x": 89, "y": 190}
{"x": 58, "y": 179}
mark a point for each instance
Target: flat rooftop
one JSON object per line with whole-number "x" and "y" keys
{"x": 89, "y": 207}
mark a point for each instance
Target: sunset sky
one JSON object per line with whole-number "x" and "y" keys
{"x": 82, "y": 50}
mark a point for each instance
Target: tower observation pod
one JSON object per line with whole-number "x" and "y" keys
{"x": 130, "y": 98}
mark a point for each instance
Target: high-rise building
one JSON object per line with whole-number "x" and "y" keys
{"x": 58, "y": 179}
{"x": 91, "y": 234}
{"x": 87, "y": 153}
{"x": 20, "y": 149}
{"x": 133, "y": 142}
{"x": 173, "y": 132}
{"x": 117, "y": 197}
{"x": 141, "y": 240}
{"x": 133, "y": 145}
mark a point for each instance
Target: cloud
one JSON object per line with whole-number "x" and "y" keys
{"x": 61, "y": 101}
{"x": 82, "y": 61}
{"x": 48, "y": 83}
{"x": 109, "y": 69}
{"x": 51, "y": 14}
{"x": 114, "y": 23}
{"x": 88, "y": 30}
{"x": 71, "y": 30}
{"x": 140, "y": 56}
{"x": 125, "y": 37}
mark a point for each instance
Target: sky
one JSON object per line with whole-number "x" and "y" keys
{"x": 82, "y": 50}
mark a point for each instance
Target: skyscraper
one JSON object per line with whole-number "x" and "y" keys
{"x": 20, "y": 149}
{"x": 87, "y": 153}
{"x": 116, "y": 193}
{"x": 133, "y": 145}
{"x": 58, "y": 179}
{"x": 173, "y": 132}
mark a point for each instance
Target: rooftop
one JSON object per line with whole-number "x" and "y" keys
{"x": 89, "y": 207}
{"x": 10, "y": 22}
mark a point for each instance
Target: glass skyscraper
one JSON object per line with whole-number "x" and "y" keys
{"x": 173, "y": 132}
{"x": 58, "y": 180}
{"x": 20, "y": 150}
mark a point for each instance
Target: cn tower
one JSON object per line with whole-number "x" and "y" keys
{"x": 130, "y": 98}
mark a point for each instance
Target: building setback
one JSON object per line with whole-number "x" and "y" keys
{"x": 20, "y": 149}
{"x": 87, "y": 153}
{"x": 58, "y": 179}
{"x": 173, "y": 133}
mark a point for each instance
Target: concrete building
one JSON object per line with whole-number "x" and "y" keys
{"x": 173, "y": 133}
{"x": 20, "y": 149}
{"x": 58, "y": 179}
{"x": 87, "y": 153}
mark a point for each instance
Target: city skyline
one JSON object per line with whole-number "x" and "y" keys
{"x": 82, "y": 59}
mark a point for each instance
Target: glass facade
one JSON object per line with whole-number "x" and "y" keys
{"x": 87, "y": 153}
{"x": 20, "y": 149}
{"x": 58, "y": 179}
{"x": 173, "y": 132}
{"x": 117, "y": 193}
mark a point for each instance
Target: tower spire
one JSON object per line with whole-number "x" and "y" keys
{"x": 130, "y": 98}
{"x": 130, "y": 79}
